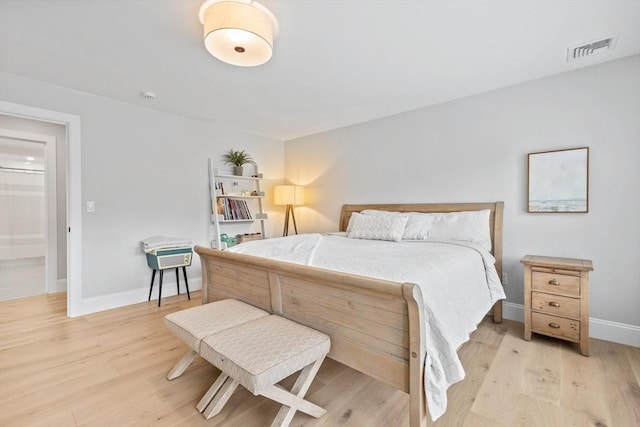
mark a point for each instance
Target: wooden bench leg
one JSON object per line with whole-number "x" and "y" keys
{"x": 220, "y": 397}
{"x": 293, "y": 401}
{"x": 182, "y": 365}
{"x": 208, "y": 396}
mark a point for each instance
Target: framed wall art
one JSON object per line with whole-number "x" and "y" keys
{"x": 559, "y": 181}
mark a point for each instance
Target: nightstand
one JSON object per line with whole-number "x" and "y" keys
{"x": 556, "y": 298}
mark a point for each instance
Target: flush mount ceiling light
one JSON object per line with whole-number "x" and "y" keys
{"x": 238, "y": 32}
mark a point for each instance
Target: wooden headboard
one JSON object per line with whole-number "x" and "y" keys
{"x": 495, "y": 218}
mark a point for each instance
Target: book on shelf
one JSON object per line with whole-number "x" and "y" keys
{"x": 234, "y": 209}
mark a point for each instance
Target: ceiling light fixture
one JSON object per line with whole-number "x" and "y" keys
{"x": 238, "y": 32}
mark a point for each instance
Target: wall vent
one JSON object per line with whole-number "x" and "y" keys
{"x": 591, "y": 48}
{"x": 147, "y": 94}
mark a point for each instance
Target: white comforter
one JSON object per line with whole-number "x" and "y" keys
{"x": 458, "y": 280}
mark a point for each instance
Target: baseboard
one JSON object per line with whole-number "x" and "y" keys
{"x": 134, "y": 296}
{"x": 601, "y": 329}
{"x": 513, "y": 311}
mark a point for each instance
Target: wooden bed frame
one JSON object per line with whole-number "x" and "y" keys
{"x": 376, "y": 326}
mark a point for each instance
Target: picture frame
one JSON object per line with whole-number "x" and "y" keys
{"x": 558, "y": 181}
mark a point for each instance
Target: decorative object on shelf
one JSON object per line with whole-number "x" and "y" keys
{"x": 559, "y": 181}
{"x": 228, "y": 240}
{"x": 237, "y": 159}
{"x": 238, "y": 32}
{"x": 248, "y": 237}
{"x": 289, "y": 195}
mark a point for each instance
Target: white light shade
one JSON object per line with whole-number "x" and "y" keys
{"x": 238, "y": 32}
{"x": 288, "y": 195}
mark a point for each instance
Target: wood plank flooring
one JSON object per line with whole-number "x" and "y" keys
{"x": 109, "y": 369}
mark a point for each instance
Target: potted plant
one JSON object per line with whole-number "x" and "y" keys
{"x": 237, "y": 159}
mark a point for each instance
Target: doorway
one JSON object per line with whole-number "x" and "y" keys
{"x": 73, "y": 205}
{"x": 28, "y": 212}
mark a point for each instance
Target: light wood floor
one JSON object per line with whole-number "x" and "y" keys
{"x": 108, "y": 369}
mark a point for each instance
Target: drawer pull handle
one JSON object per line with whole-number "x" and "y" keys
{"x": 554, "y": 304}
{"x": 554, "y": 325}
{"x": 554, "y": 282}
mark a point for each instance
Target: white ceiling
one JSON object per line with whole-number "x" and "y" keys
{"x": 335, "y": 63}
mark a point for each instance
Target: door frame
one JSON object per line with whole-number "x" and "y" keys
{"x": 50, "y": 205}
{"x": 74, "y": 194}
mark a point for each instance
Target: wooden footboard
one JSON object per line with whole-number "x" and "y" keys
{"x": 376, "y": 326}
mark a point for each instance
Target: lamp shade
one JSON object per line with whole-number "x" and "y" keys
{"x": 288, "y": 195}
{"x": 238, "y": 32}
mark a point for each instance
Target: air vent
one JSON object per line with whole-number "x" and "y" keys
{"x": 147, "y": 94}
{"x": 591, "y": 48}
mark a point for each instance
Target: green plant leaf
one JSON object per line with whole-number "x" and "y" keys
{"x": 237, "y": 158}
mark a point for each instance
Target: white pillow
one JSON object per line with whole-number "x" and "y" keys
{"x": 371, "y": 212}
{"x": 418, "y": 224}
{"x": 470, "y": 226}
{"x": 388, "y": 227}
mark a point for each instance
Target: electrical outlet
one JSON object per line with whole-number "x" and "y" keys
{"x": 91, "y": 206}
{"x": 505, "y": 278}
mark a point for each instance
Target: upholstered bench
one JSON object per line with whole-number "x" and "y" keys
{"x": 194, "y": 324}
{"x": 260, "y": 353}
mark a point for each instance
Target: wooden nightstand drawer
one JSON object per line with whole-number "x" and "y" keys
{"x": 555, "y": 326}
{"x": 556, "y": 283}
{"x": 555, "y": 304}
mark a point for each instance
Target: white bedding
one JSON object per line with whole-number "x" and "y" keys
{"x": 458, "y": 280}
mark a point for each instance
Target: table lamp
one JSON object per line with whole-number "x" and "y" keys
{"x": 289, "y": 195}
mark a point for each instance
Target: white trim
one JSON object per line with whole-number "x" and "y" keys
{"x": 598, "y": 328}
{"x": 135, "y": 296}
{"x": 513, "y": 311}
{"x": 50, "y": 205}
{"x": 74, "y": 194}
{"x": 614, "y": 331}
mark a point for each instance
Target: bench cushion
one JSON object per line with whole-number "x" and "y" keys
{"x": 264, "y": 351}
{"x": 193, "y": 324}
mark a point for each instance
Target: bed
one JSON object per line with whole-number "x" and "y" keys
{"x": 386, "y": 333}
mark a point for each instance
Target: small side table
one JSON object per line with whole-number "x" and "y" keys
{"x": 556, "y": 298}
{"x": 165, "y": 259}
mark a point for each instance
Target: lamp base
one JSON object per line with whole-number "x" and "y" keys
{"x": 289, "y": 213}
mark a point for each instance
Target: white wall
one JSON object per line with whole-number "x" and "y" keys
{"x": 60, "y": 133}
{"x": 475, "y": 149}
{"x": 147, "y": 173}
